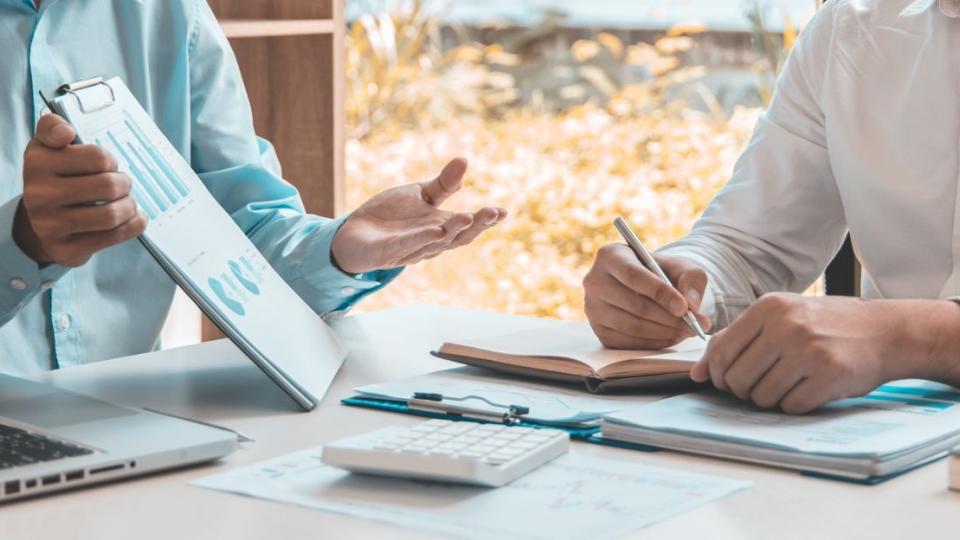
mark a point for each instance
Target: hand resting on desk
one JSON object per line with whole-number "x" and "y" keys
{"x": 797, "y": 352}
{"x": 786, "y": 351}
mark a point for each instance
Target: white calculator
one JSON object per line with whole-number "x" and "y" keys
{"x": 461, "y": 452}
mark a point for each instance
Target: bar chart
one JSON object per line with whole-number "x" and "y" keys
{"x": 156, "y": 187}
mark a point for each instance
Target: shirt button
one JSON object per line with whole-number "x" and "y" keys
{"x": 48, "y": 284}
{"x": 348, "y": 291}
{"x": 18, "y": 284}
{"x": 63, "y": 321}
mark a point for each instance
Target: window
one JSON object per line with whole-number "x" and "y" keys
{"x": 570, "y": 114}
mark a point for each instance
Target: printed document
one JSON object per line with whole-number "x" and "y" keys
{"x": 574, "y": 497}
{"x": 191, "y": 235}
{"x": 896, "y": 418}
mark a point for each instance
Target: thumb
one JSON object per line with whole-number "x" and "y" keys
{"x": 446, "y": 184}
{"x": 54, "y": 132}
{"x": 700, "y": 372}
{"x": 690, "y": 280}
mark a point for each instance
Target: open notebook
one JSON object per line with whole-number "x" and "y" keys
{"x": 567, "y": 351}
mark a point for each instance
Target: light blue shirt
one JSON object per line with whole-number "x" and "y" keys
{"x": 175, "y": 59}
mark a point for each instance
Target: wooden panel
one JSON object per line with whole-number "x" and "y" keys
{"x": 291, "y": 88}
{"x": 273, "y": 9}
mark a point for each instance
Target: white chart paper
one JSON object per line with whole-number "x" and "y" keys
{"x": 573, "y": 497}
{"x": 227, "y": 275}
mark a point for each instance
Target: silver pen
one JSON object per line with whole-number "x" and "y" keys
{"x": 647, "y": 260}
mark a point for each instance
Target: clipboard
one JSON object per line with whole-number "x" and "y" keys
{"x": 592, "y": 436}
{"x": 171, "y": 193}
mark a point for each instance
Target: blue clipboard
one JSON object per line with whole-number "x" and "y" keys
{"x": 592, "y": 436}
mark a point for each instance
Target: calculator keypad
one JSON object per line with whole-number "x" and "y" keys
{"x": 491, "y": 443}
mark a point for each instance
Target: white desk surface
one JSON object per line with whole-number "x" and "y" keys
{"x": 215, "y": 382}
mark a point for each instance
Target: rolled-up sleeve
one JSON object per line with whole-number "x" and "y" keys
{"x": 243, "y": 174}
{"x": 779, "y": 220}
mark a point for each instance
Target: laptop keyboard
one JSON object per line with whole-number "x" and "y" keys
{"x": 20, "y": 447}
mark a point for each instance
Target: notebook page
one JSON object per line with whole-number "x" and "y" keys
{"x": 577, "y": 341}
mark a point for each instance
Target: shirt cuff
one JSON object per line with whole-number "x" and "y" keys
{"x": 21, "y": 278}
{"x": 331, "y": 290}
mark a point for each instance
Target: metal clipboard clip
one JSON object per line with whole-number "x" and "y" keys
{"x": 75, "y": 88}
{"x": 438, "y": 403}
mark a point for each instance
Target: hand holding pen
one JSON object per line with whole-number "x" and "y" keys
{"x": 631, "y": 305}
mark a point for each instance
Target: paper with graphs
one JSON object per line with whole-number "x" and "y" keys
{"x": 198, "y": 243}
{"x": 573, "y": 497}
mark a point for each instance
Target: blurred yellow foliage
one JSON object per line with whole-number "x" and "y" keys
{"x": 563, "y": 179}
{"x": 563, "y": 173}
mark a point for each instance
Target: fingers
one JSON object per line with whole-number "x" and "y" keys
{"x": 480, "y": 221}
{"x": 623, "y": 265}
{"x": 748, "y": 369}
{"x": 103, "y": 217}
{"x": 622, "y": 295}
{"x": 727, "y": 346}
{"x": 54, "y": 132}
{"x": 806, "y": 396}
{"x": 776, "y": 383}
{"x": 414, "y": 240}
{"x": 691, "y": 281}
{"x": 483, "y": 219}
{"x": 96, "y": 188}
{"x": 640, "y": 329}
{"x": 614, "y": 339}
{"x": 82, "y": 247}
{"x": 420, "y": 240}
{"x": 615, "y": 293}
{"x": 446, "y": 184}
{"x": 74, "y": 200}
{"x": 82, "y": 159}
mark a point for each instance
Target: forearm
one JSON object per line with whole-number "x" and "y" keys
{"x": 929, "y": 341}
{"x": 299, "y": 247}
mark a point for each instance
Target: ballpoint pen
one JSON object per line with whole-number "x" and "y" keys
{"x": 647, "y": 260}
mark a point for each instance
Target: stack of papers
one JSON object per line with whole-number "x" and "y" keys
{"x": 573, "y": 497}
{"x": 897, "y": 427}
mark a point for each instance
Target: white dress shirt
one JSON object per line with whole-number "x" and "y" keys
{"x": 863, "y": 134}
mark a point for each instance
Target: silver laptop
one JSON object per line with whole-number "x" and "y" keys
{"x": 52, "y": 440}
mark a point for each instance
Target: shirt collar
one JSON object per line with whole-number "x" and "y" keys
{"x": 950, "y": 8}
